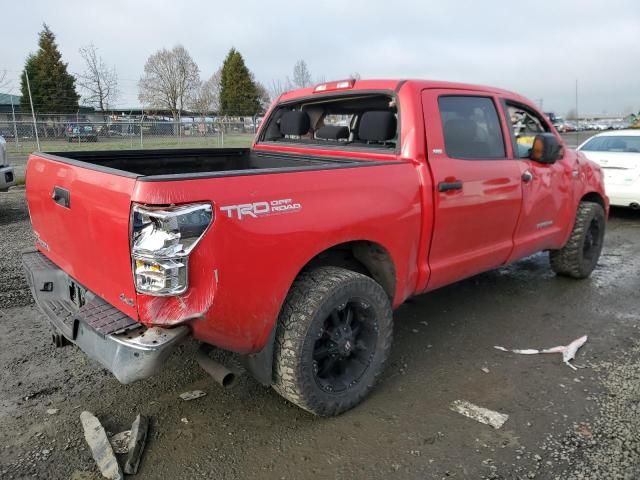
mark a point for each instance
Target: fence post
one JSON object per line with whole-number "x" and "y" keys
{"x": 141, "y": 126}
{"x": 33, "y": 115}
{"x": 15, "y": 127}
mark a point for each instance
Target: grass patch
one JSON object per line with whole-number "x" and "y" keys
{"x": 132, "y": 143}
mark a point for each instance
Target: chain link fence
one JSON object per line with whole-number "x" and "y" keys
{"x": 64, "y": 133}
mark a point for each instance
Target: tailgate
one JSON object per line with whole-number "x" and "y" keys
{"x": 80, "y": 217}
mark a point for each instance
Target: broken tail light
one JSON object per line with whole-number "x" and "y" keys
{"x": 161, "y": 240}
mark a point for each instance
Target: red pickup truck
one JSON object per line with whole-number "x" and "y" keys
{"x": 354, "y": 196}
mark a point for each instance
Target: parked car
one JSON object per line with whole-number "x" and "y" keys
{"x": 79, "y": 133}
{"x": 618, "y": 153}
{"x": 7, "y": 176}
{"x": 292, "y": 254}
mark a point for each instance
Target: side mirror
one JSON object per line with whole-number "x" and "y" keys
{"x": 545, "y": 149}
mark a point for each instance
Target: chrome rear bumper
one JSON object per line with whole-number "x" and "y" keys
{"x": 128, "y": 349}
{"x": 132, "y": 355}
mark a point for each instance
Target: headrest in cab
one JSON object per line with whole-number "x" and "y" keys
{"x": 333, "y": 132}
{"x": 295, "y": 122}
{"x": 377, "y": 126}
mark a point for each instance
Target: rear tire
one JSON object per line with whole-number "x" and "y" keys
{"x": 333, "y": 339}
{"x": 579, "y": 256}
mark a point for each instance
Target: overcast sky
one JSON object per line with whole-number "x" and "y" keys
{"x": 537, "y": 48}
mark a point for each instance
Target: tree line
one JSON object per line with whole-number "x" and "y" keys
{"x": 171, "y": 81}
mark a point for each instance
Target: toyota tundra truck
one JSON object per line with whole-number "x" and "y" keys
{"x": 354, "y": 196}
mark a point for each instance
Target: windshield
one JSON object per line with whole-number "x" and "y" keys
{"x": 613, "y": 144}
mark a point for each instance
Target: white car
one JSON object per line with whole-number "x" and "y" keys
{"x": 618, "y": 153}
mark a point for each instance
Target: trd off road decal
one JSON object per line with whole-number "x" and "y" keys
{"x": 261, "y": 209}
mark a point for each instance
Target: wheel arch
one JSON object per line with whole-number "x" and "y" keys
{"x": 363, "y": 256}
{"x": 594, "y": 197}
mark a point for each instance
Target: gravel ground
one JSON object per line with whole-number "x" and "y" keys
{"x": 15, "y": 235}
{"x": 562, "y": 425}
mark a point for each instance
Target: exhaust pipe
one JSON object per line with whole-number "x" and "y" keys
{"x": 218, "y": 372}
{"x": 635, "y": 206}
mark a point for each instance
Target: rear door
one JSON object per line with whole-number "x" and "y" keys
{"x": 80, "y": 217}
{"x": 478, "y": 190}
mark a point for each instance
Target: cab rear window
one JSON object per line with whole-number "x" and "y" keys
{"x": 345, "y": 122}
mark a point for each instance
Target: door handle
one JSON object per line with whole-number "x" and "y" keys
{"x": 61, "y": 196}
{"x": 447, "y": 186}
{"x": 527, "y": 176}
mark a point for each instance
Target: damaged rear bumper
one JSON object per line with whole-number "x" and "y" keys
{"x": 128, "y": 349}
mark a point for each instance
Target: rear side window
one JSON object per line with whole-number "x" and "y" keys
{"x": 471, "y": 128}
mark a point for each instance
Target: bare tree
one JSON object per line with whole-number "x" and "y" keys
{"x": 355, "y": 76}
{"x": 278, "y": 87}
{"x": 301, "y": 79}
{"x": 301, "y": 74}
{"x": 265, "y": 96}
{"x": 4, "y": 81}
{"x": 169, "y": 80}
{"x": 99, "y": 82}
{"x": 205, "y": 98}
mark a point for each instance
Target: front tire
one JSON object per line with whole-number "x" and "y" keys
{"x": 333, "y": 339}
{"x": 579, "y": 256}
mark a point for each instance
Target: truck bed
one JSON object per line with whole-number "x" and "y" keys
{"x": 189, "y": 163}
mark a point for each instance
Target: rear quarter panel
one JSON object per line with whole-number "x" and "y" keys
{"x": 241, "y": 271}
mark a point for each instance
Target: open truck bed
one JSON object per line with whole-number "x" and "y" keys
{"x": 195, "y": 163}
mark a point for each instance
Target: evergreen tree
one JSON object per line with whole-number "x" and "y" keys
{"x": 52, "y": 87}
{"x": 239, "y": 95}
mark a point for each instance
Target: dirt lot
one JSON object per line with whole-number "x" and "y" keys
{"x": 563, "y": 424}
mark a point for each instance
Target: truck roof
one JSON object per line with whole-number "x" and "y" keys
{"x": 395, "y": 84}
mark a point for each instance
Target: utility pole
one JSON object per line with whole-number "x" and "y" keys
{"x": 577, "y": 117}
{"x": 33, "y": 113}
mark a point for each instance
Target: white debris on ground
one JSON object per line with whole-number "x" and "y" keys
{"x": 120, "y": 441}
{"x": 479, "y": 414}
{"x": 192, "y": 395}
{"x": 137, "y": 442}
{"x": 568, "y": 351}
{"x": 100, "y": 447}
{"x": 104, "y": 448}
